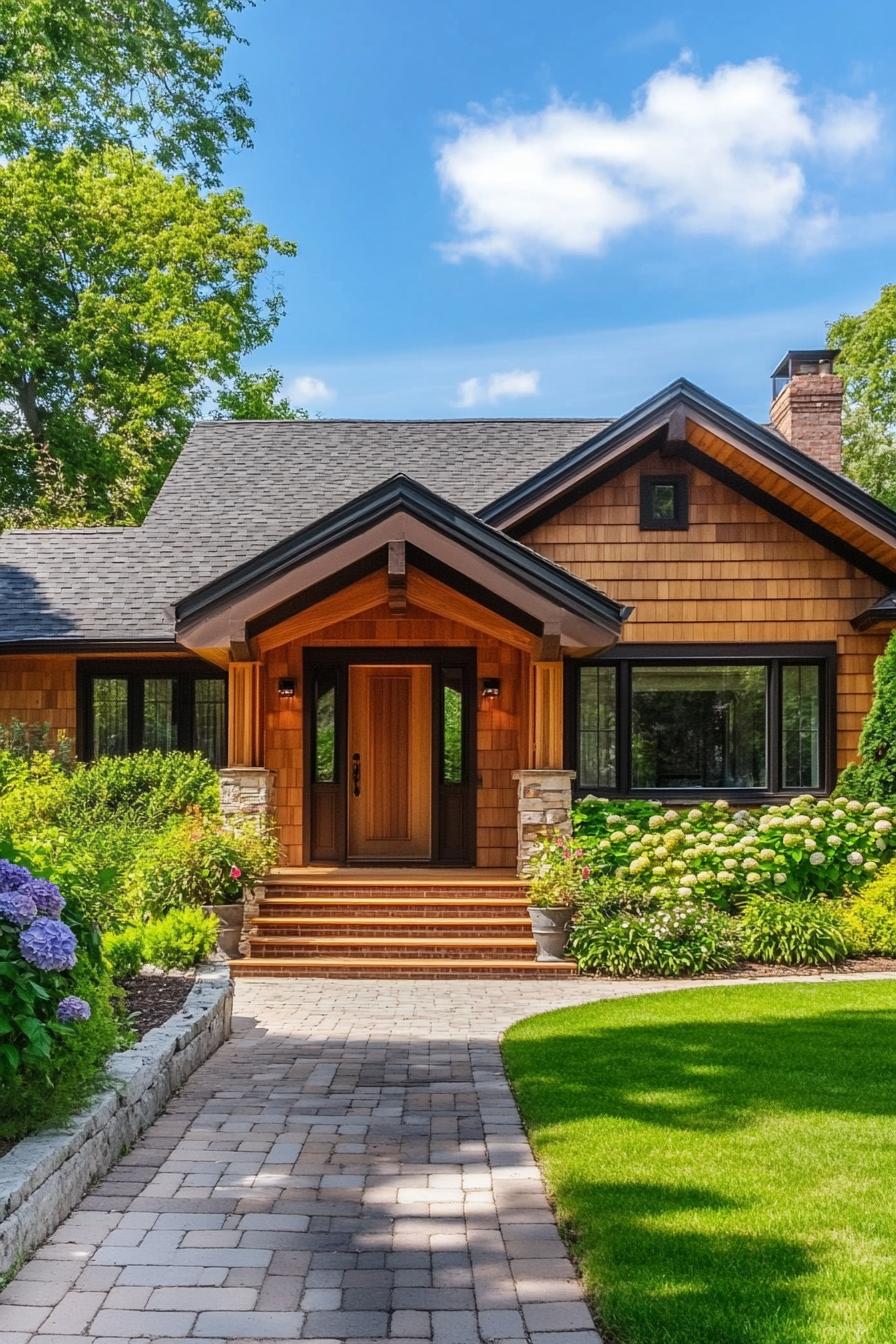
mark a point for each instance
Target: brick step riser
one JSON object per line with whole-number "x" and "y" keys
{"x": 385, "y": 953}
{"x": 410, "y": 913}
{"x": 323, "y": 928}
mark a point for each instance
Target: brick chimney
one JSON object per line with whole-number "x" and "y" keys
{"x": 807, "y": 404}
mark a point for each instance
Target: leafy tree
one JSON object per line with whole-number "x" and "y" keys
{"x": 867, "y": 362}
{"x": 148, "y": 73}
{"x": 123, "y": 294}
{"x": 256, "y": 396}
{"x": 874, "y": 776}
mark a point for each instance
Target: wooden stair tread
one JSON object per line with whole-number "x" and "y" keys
{"x": 395, "y": 940}
{"x": 366, "y": 880}
{"x": 389, "y": 902}
{"x": 393, "y": 921}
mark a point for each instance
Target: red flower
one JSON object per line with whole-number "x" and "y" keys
{"x": 586, "y": 872}
{"x": 235, "y": 873}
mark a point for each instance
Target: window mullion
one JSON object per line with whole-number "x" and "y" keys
{"x": 774, "y": 728}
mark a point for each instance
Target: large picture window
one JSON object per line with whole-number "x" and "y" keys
{"x": 165, "y": 706}
{"x": 711, "y": 721}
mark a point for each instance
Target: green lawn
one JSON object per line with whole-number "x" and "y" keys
{"x": 723, "y": 1160}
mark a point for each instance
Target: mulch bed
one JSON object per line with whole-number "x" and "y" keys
{"x": 152, "y": 996}
{"x": 757, "y": 970}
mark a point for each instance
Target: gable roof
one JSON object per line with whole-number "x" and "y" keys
{"x": 440, "y": 533}
{"x": 657, "y": 413}
{"x": 240, "y": 489}
{"x": 237, "y": 488}
{"x": 268, "y": 479}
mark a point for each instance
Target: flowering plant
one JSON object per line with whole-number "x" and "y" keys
{"x": 683, "y": 937}
{"x": 37, "y": 950}
{"x": 804, "y": 849}
{"x": 558, "y": 872}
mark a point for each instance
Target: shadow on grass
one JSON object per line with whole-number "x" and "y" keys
{"x": 657, "y": 1283}
{"x": 708, "y": 1075}
{"x": 712, "y": 1240}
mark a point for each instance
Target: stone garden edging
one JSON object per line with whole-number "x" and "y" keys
{"x": 44, "y": 1176}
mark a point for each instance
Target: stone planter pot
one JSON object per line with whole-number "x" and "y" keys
{"x": 230, "y": 927}
{"x": 550, "y": 928}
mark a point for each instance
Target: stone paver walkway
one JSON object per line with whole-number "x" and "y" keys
{"x": 350, "y": 1166}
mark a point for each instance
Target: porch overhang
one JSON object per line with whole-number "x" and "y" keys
{"x": 448, "y": 550}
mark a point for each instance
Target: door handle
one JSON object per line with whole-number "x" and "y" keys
{"x": 356, "y": 775}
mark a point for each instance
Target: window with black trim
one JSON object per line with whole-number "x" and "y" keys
{"x": 711, "y": 723}
{"x": 664, "y": 503}
{"x": 165, "y": 706}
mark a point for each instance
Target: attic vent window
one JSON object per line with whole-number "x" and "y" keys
{"x": 664, "y": 503}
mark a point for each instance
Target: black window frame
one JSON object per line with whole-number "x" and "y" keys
{"x": 183, "y": 672}
{"x": 679, "y": 521}
{"x": 772, "y": 656}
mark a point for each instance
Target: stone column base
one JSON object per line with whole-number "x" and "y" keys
{"x": 246, "y": 790}
{"x": 544, "y": 804}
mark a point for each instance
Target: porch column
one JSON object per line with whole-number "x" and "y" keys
{"x": 544, "y": 803}
{"x": 245, "y": 714}
{"x": 247, "y": 788}
{"x": 547, "y": 715}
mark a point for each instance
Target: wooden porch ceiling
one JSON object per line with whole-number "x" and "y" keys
{"x": 373, "y": 591}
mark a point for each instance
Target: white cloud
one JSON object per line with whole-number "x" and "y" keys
{"x": 308, "y": 388}
{"x": 724, "y": 156}
{"x": 516, "y": 383}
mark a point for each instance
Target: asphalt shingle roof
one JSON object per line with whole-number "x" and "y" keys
{"x": 237, "y": 488}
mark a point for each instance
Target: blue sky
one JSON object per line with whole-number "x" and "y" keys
{"x": 515, "y": 207}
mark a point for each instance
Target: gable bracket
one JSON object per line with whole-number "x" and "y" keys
{"x": 398, "y": 577}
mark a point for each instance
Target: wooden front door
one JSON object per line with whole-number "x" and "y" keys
{"x": 390, "y": 762}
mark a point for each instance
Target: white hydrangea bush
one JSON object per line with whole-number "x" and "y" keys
{"x": 808, "y": 848}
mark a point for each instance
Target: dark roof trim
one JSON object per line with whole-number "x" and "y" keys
{"x": 402, "y": 494}
{"x": 881, "y": 612}
{"x": 518, "y": 504}
{"x": 63, "y": 645}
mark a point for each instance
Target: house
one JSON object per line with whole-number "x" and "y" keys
{"x": 415, "y": 641}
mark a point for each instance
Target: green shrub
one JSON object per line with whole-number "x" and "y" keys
{"x": 681, "y": 938}
{"x": 870, "y": 920}
{"x": 200, "y": 860}
{"x": 874, "y": 775}
{"x": 123, "y": 952}
{"x": 795, "y": 933}
{"x": 181, "y": 939}
{"x": 24, "y": 740}
{"x": 148, "y": 788}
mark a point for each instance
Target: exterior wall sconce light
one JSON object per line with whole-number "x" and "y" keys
{"x": 286, "y": 688}
{"x": 491, "y": 688}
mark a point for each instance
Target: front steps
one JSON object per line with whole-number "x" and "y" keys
{"x": 417, "y": 926}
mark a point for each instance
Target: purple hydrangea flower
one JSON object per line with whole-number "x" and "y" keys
{"x": 46, "y": 896}
{"x": 17, "y": 907}
{"x": 48, "y": 944}
{"x": 12, "y": 875}
{"x": 73, "y": 1009}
